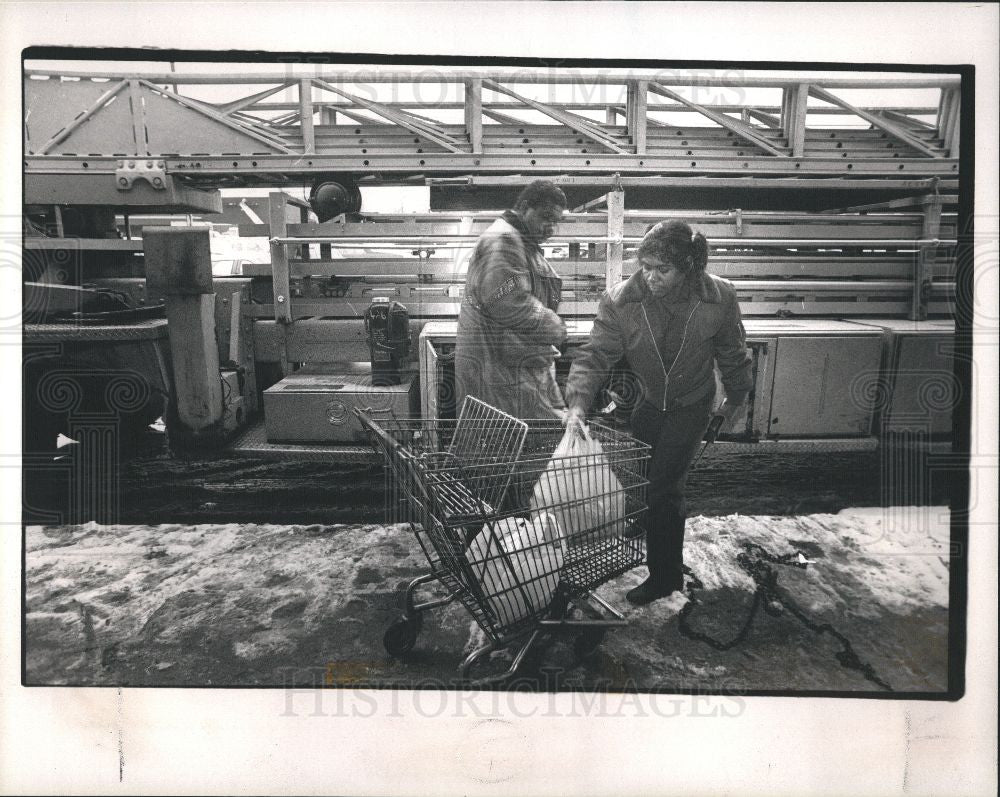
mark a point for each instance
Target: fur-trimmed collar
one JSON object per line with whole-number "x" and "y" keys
{"x": 634, "y": 290}
{"x": 515, "y": 221}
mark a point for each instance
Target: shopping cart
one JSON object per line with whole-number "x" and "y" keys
{"x": 523, "y": 561}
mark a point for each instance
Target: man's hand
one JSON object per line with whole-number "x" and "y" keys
{"x": 574, "y": 419}
{"x": 728, "y": 411}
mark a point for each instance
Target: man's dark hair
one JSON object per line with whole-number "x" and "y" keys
{"x": 541, "y": 193}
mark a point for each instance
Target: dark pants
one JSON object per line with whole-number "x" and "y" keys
{"x": 675, "y": 436}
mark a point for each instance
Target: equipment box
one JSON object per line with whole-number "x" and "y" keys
{"x": 319, "y": 408}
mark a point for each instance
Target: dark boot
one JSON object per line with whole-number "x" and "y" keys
{"x": 673, "y": 549}
{"x": 665, "y": 559}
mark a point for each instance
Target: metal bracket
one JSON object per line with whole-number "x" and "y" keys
{"x": 152, "y": 171}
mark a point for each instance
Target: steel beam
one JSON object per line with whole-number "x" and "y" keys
{"x": 727, "y": 122}
{"x": 635, "y": 118}
{"x": 591, "y": 129}
{"x": 398, "y": 117}
{"x": 616, "y": 237}
{"x": 923, "y": 265}
{"x": 361, "y": 118}
{"x": 502, "y": 118}
{"x": 882, "y": 124}
{"x": 518, "y": 75}
{"x": 443, "y": 241}
{"x": 100, "y": 189}
{"x": 474, "y": 114}
{"x": 673, "y": 107}
{"x": 915, "y": 185}
{"x": 906, "y": 119}
{"x": 306, "y": 117}
{"x": 794, "y": 121}
{"x": 949, "y": 111}
{"x": 229, "y": 108}
{"x": 205, "y": 168}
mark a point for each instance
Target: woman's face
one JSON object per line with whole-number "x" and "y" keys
{"x": 661, "y": 278}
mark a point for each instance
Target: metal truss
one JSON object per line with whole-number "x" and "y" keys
{"x": 96, "y": 124}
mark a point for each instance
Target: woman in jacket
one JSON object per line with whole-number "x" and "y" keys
{"x": 672, "y": 322}
{"x": 508, "y": 328}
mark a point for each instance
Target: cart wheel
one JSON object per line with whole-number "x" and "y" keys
{"x": 588, "y": 641}
{"x": 401, "y": 636}
{"x": 559, "y": 606}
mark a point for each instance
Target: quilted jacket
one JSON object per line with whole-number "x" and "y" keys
{"x": 508, "y": 328}
{"x": 670, "y": 343}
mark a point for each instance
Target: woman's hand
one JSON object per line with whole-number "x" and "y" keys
{"x": 574, "y": 419}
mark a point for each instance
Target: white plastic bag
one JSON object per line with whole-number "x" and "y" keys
{"x": 580, "y": 489}
{"x": 516, "y": 565}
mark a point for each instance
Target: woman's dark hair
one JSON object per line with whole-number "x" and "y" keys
{"x": 541, "y": 193}
{"x": 674, "y": 242}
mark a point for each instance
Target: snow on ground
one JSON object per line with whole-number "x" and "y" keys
{"x": 249, "y": 604}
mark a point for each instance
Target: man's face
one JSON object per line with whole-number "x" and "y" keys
{"x": 541, "y": 221}
{"x": 662, "y": 278}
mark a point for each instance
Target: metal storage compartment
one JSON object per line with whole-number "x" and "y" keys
{"x": 319, "y": 408}
{"x": 825, "y": 378}
{"x": 920, "y": 367}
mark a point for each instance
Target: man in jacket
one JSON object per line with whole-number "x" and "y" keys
{"x": 672, "y": 321}
{"x": 509, "y": 333}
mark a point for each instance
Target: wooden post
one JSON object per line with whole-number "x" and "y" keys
{"x": 179, "y": 267}
{"x": 474, "y": 113}
{"x": 281, "y": 286}
{"x": 616, "y": 229}
{"x": 306, "y": 117}
{"x": 636, "y": 114}
{"x": 280, "y": 279}
{"x": 925, "y": 259}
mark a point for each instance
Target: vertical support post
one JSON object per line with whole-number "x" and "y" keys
{"x": 794, "y": 119}
{"x": 305, "y": 249}
{"x": 138, "y": 118}
{"x": 280, "y": 278}
{"x": 281, "y": 284}
{"x": 306, "y": 117}
{"x": 616, "y": 230}
{"x": 636, "y": 114}
{"x": 925, "y": 258}
{"x": 179, "y": 267}
{"x": 610, "y": 115}
{"x": 474, "y": 113}
{"x": 327, "y": 115}
{"x": 949, "y": 112}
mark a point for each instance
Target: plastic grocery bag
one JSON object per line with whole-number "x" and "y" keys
{"x": 580, "y": 489}
{"x": 516, "y": 565}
